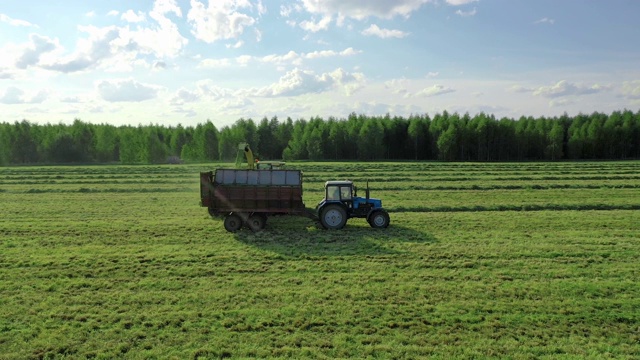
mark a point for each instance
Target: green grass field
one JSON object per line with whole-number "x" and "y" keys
{"x": 522, "y": 261}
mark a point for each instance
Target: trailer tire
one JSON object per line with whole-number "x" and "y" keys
{"x": 379, "y": 219}
{"x": 333, "y": 217}
{"x": 256, "y": 222}
{"x": 232, "y": 223}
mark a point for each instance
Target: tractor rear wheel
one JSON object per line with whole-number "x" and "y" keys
{"x": 256, "y": 222}
{"x": 232, "y": 223}
{"x": 333, "y": 217}
{"x": 379, "y": 219}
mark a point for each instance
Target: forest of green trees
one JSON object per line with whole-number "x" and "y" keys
{"x": 448, "y": 137}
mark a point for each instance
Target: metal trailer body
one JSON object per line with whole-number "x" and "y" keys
{"x": 248, "y": 197}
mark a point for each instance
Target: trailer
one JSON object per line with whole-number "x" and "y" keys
{"x": 248, "y": 197}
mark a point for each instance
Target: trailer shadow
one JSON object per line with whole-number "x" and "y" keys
{"x": 293, "y": 237}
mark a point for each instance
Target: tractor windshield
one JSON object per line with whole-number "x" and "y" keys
{"x": 345, "y": 192}
{"x": 333, "y": 193}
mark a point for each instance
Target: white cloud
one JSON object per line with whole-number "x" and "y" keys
{"x": 311, "y": 26}
{"x": 360, "y": 10}
{"x": 299, "y": 82}
{"x": 220, "y": 20}
{"x": 207, "y": 88}
{"x": 97, "y": 110}
{"x": 163, "y": 39}
{"x": 71, "y": 99}
{"x": 561, "y": 102}
{"x": 189, "y": 113}
{"x": 123, "y": 90}
{"x": 432, "y": 74}
{"x": 545, "y": 21}
{"x": 183, "y": 96}
{"x": 466, "y": 13}
{"x": 133, "y": 17}
{"x": 631, "y": 89}
{"x": 158, "y": 65}
{"x": 244, "y": 60}
{"x": 39, "y": 97}
{"x": 287, "y": 10}
{"x": 460, "y": 2}
{"x": 237, "y": 45}
{"x": 6, "y": 74}
{"x": 236, "y": 103}
{"x": 31, "y": 55}
{"x": 329, "y": 53}
{"x": 398, "y": 86}
{"x": 435, "y": 90}
{"x": 113, "y": 13}
{"x": 521, "y": 89}
{"x": 162, "y": 7}
{"x": 14, "y": 95}
{"x": 90, "y": 14}
{"x": 89, "y": 51}
{"x": 291, "y": 57}
{"x": 15, "y": 22}
{"x": 565, "y": 88}
{"x": 374, "y": 30}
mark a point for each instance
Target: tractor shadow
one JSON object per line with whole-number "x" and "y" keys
{"x": 298, "y": 237}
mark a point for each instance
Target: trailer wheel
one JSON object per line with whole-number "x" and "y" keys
{"x": 232, "y": 223}
{"x": 333, "y": 217}
{"x": 379, "y": 219}
{"x": 256, "y": 222}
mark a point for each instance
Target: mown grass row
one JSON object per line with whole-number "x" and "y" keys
{"x": 404, "y": 169}
{"x": 524, "y": 207}
{"x": 322, "y": 178}
{"x": 460, "y": 273}
{"x": 465, "y": 178}
{"x": 312, "y": 189}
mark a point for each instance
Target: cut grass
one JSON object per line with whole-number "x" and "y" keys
{"x": 137, "y": 274}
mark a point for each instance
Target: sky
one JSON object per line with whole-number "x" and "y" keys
{"x": 185, "y": 62}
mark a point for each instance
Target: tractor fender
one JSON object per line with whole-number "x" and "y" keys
{"x": 324, "y": 204}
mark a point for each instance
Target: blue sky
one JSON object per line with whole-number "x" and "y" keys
{"x": 170, "y": 61}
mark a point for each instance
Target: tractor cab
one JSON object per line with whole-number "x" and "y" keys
{"x": 341, "y": 203}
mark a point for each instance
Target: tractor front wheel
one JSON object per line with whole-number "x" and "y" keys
{"x": 333, "y": 217}
{"x": 232, "y": 223}
{"x": 379, "y": 219}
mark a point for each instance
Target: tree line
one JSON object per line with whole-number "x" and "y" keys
{"x": 444, "y": 136}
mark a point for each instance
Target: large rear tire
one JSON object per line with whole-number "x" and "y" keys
{"x": 333, "y": 217}
{"x": 379, "y": 219}
{"x": 256, "y": 222}
{"x": 232, "y": 223}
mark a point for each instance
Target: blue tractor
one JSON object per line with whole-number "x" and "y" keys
{"x": 341, "y": 202}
